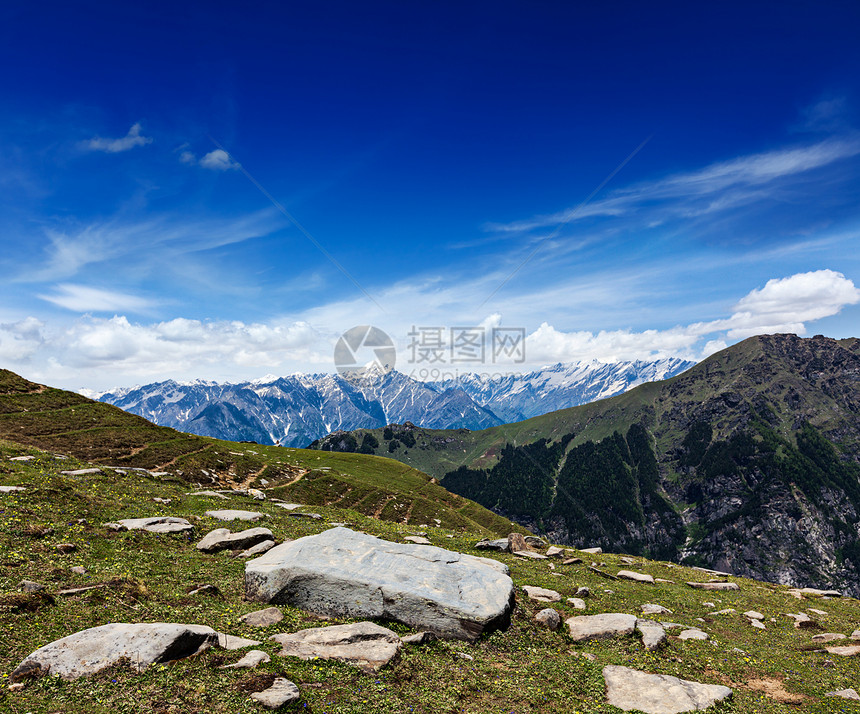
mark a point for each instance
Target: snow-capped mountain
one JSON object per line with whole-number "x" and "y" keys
{"x": 522, "y": 396}
{"x": 297, "y": 409}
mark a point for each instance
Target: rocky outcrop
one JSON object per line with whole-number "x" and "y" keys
{"x": 345, "y": 573}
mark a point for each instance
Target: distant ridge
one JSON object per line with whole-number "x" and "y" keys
{"x": 298, "y": 409}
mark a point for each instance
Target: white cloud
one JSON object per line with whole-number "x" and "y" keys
{"x": 218, "y": 160}
{"x": 115, "y": 146}
{"x": 186, "y": 157}
{"x": 783, "y": 305}
{"x": 21, "y": 340}
{"x": 82, "y": 298}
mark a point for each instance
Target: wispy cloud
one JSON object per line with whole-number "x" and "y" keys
{"x": 716, "y": 187}
{"x": 136, "y": 244}
{"x": 82, "y": 298}
{"x": 215, "y": 160}
{"x": 114, "y": 146}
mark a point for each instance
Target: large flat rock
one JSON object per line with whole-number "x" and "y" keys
{"x": 344, "y": 573}
{"x": 90, "y": 651}
{"x": 362, "y": 644}
{"x": 630, "y": 689}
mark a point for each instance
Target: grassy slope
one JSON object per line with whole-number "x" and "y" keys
{"x": 525, "y": 669}
{"x": 73, "y": 425}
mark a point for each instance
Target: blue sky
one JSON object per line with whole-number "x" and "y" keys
{"x": 620, "y": 180}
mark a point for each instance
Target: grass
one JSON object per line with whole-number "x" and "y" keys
{"x": 524, "y": 669}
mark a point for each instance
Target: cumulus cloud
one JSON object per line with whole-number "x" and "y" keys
{"x": 21, "y": 340}
{"x": 181, "y": 344}
{"x": 115, "y": 146}
{"x": 218, "y": 160}
{"x": 82, "y": 298}
{"x": 782, "y": 305}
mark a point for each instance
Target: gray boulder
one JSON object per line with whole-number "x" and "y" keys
{"x": 362, "y": 644}
{"x": 598, "y": 627}
{"x": 636, "y": 577}
{"x": 714, "y": 586}
{"x": 90, "y": 651}
{"x": 344, "y": 573}
{"x": 263, "y": 618}
{"x": 264, "y": 546}
{"x": 223, "y": 539}
{"x": 630, "y": 689}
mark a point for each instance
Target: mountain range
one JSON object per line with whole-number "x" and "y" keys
{"x": 298, "y": 409}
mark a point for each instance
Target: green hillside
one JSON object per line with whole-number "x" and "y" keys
{"x": 71, "y": 425}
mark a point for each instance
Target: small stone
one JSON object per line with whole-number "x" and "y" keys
{"x": 157, "y": 524}
{"x": 653, "y": 634}
{"x": 211, "y": 494}
{"x": 30, "y": 586}
{"x": 554, "y": 552}
{"x": 235, "y": 515}
{"x": 855, "y": 635}
{"x": 844, "y": 694}
{"x": 714, "y": 586}
{"x": 11, "y": 489}
{"x": 314, "y": 516}
{"x": 627, "y": 561}
{"x": 541, "y": 594}
{"x": 636, "y": 577}
{"x": 549, "y": 618}
{"x": 727, "y": 611}
{"x": 223, "y": 539}
{"x": 263, "y": 618}
{"x": 281, "y": 692}
{"x": 259, "y": 549}
{"x": 362, "y": 644}
{"x": 535, "y": 542}
{"x": 256, "y": 494}
{"x": 289, "y": 506}
{"x": 78, "y": 570}
{"x": 815, "y": 592}
{"x": 21, "y": 458}
{"x": 593, "y": 551}
{"x": 419, "y": 638}
{"x": 758, "y": 624}
{"x": 693, "y": 634}
{"x": 231, "y": 642}
{"x": 571, "y": 561}
{"x": 529, "y": 554}
{"x": 66, "y": 547}
{"x": 595, "y": 627}
{"x": 116, "y": 527}
{"x": 663, "y": 580}
{"x": 165, "y": 501}
{"x": 753, "y": 615}
{"x": 210, "y": 590}
{"x": 418, "y": 540}
{"x": 844, "y": 650}
{"x": 517, "y": 543}
{"x": 80, "y": 472}
{"x": 817, "y": 612}
{"x": 582, "y": 592}
{"x": 652, "y": 609}
{"x": 500, "y": 544}
{"x": 252, "y": 659}
{"x": 801, "y": 620}
{"x": 578, "y": 603}
{"x": 708, "y": 604}
{"x": 828, "y": 637}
